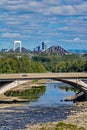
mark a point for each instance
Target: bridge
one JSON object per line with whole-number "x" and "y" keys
{"x": 75, "y": 79}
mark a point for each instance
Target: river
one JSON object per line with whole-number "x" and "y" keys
{"x": 48, "y": 107}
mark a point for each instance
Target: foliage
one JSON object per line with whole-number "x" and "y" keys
{"x": 63, "y": 126}
{"x": 77, "y": 65}
{"x": 31, "y": 94}
{"x": 23, "y": 63}
{"x": 69, "y": 88}
{"x": 19, "y": 64}
{"x": 66, "y": 63}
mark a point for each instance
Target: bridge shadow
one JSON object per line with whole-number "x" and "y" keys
{"x": 78, "y": 97}
{"x": 13, "y": 101}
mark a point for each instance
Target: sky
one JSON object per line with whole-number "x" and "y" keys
{"x": 57, "y": 22}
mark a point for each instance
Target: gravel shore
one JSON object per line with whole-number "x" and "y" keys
{"x": 77, "y": 117}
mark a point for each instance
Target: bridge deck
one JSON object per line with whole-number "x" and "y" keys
{"x": 18, "y": 79}
{"x": 42, "y": 75}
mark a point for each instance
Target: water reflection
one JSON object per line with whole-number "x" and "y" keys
{"x": 53, "y": 95}
{"x": 69, "y": 88}
{"x": 31, "y": 94}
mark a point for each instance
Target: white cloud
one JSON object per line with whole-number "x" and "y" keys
{"x": 10, "y": 35}
{"x": 50, "y": 19}
{"x": 81, "y": 9}
{"x": 77, "y": 39}
{"x": 2, "y": 2}
{"x": 68, "y": 10}
{"x": 47, "y": 7}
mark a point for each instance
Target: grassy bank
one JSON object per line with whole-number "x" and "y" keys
{"x": 56, "y": 126}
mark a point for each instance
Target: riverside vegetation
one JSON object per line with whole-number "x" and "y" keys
{"x": 25, "y": 63}
{"x": 30, "y": 94}
{"x": 65, "y": 63}
{"x": 58, "y": 126}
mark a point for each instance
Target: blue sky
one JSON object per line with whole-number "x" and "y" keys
{"x": 57, "y": 22}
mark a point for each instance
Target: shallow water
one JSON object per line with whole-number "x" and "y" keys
{"x": 53, "y": 96}
{"x": 47, "y": 108}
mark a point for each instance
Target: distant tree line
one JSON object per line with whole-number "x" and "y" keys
{"x": 66, "y": 63}
{"x": 14, "y": 63}
{"x": 18, "y": 64}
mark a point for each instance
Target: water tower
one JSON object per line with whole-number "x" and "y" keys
{"x": 20, "y": 45}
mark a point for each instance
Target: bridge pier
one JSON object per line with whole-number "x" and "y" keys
{"x": 12, "y": 85}
{"x": 81, "y": 96}
{"x": 86, "y": 96}
{"x": 81, "y": 85}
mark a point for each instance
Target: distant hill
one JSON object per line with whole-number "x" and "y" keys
{"x": 4, "y": 50}
{"x": 23, "y": 50}
{"x": 56, "y": 49}
{"x": 52, "y": 49}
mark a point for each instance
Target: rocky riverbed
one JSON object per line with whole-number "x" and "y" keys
{"x": 78, "y": 117}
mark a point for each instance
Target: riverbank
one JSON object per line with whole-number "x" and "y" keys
{"x": 6, "y": 100}
{"x": 78, "y": 117}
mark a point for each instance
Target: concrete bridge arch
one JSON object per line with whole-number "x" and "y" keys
{"x": 78, "y": 83}
{"x": 74, "y": 79}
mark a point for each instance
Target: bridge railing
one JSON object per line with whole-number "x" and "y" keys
{"x": 42, "y": 75}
